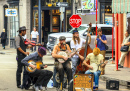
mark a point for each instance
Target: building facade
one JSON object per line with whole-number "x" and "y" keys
{"x": 121, "y": 12}
{"x": 50, "y": 16}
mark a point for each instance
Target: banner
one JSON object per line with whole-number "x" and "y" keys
{"x": 90, "y": 5}
{"x": 120, "y": 6}
{"x": 11, "y": 12}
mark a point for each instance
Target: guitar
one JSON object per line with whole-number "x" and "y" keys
{"x": 66, "y": 54}
{"x": 96, "y": 66}
{"x": 39, "y": 65}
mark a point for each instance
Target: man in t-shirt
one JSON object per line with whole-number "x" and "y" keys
{"x": 34, "y": 37}
{"x": 100, "y": 41}
{"x": 95, "y": 58}
{"x": 77, "y": 43}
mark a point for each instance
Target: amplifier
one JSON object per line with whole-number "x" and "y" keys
{"x": 112, "y": 85}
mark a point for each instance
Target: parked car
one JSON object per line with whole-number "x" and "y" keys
{"x": 53, "y": 38}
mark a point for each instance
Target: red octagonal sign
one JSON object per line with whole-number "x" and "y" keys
{"x": 75, "y": 21}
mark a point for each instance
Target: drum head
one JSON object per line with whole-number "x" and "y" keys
{"x": 95, "y": 67}
{"x": 62, "y": 53}
{"x": 58, "y": 79}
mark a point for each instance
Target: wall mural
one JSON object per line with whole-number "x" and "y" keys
{"x": 89, "y": 4}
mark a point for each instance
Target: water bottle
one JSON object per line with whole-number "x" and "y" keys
{"x": 50, "y": 84}
{"x": 93, "y": 85}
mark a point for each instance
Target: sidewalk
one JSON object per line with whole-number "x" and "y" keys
{"x": 122, "y": 76}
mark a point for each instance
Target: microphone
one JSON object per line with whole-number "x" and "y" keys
{"x": 64, "y": 43}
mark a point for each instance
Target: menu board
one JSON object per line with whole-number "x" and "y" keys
{"x": 83, "y": 81}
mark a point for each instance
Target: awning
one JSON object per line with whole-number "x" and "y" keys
{"x": 120, "y": 6}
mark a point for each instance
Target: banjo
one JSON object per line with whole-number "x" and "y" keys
{"x": 66, "y": 54}
{"x": 96, "y": 66}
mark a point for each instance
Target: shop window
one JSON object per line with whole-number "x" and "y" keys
{"x": 106, "y": 13}
{"x": 14, "y": 24}
{"x": 46, "y": 2}
{"x": 107, "y": 30}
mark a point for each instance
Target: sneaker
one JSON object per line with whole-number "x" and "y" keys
{"x": 36, "y": 88}
{"x": 20, "y": 86}
{"x": 120, "y": 66}
{"x": 40, "y": 87}
{"x": 96, "y": 88}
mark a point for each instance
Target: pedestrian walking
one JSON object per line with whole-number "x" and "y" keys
{"x": 101, "y": 41}
{"x": 3, "y": 38}
{"x": 34, "y": 37}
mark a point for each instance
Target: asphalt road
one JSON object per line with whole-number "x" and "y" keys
{"x": 8, "y": 66}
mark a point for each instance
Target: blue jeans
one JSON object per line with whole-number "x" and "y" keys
{"x": 34, "y": 39}
{"x": 96, "y": 76}
{"x": 74, "y": 64}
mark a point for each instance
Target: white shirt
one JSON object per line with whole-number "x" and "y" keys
{"x": 77, "y": 46}
{"x": 24, "y": 36}
{"x": 34, "y": 34}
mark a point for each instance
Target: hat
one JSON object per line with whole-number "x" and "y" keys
{"x": 62, "y": 38}
{"x": 42, "y": 50}
{"x": 96, "y": 51}
{"x": 22, "y": 28}
{"x": 74, "y": 31}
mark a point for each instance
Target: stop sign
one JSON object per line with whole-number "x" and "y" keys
{"x": 75, "y": 21}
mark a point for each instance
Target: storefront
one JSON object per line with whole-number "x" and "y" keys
{"x": 13, "y": 23}
{"x": 51, "y": 17}
{"x": 105, "y": 12}
{"x": 121, "y": 12}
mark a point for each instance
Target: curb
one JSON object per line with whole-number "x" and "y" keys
{"x": 121, "y": 82}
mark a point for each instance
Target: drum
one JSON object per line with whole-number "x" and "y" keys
{"x": 55, "y": 79}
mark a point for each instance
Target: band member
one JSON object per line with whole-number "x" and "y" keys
{"x": 43, "y": 75}
{"x": 75, "y": 44}
{"x": 60, "y": 67}
{"x": 21, "y": 54}
{"x": 96, "y": 58}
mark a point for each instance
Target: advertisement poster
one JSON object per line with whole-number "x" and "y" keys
{"x": 108, "y": 20}
{"x": 89, "y": 4}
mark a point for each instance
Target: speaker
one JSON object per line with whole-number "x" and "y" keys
{"x": 112, "y": 85}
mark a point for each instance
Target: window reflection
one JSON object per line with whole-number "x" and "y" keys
{"x": 14, "y": 24}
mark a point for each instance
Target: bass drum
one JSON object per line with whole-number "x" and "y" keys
{"x": 70, "y": 88}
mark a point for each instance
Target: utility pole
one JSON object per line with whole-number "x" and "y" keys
{"x": 39, "y": 20}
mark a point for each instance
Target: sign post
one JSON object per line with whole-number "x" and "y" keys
{"x": 75, "y": 21}
{"x": 62, "y": 6}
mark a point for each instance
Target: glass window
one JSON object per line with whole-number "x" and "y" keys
{"x": 14, "y": 24}
{"x": 107, "y": 30}
{"x": 106, "y": 13}
{"x": 46, "y": 2}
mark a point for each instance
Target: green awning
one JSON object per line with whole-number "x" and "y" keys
{"x": 120, "y": 6}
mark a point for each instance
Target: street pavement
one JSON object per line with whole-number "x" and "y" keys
{"x": 8, "y": 66}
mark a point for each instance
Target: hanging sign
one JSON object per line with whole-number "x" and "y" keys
{"x": 11, "y": 12}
